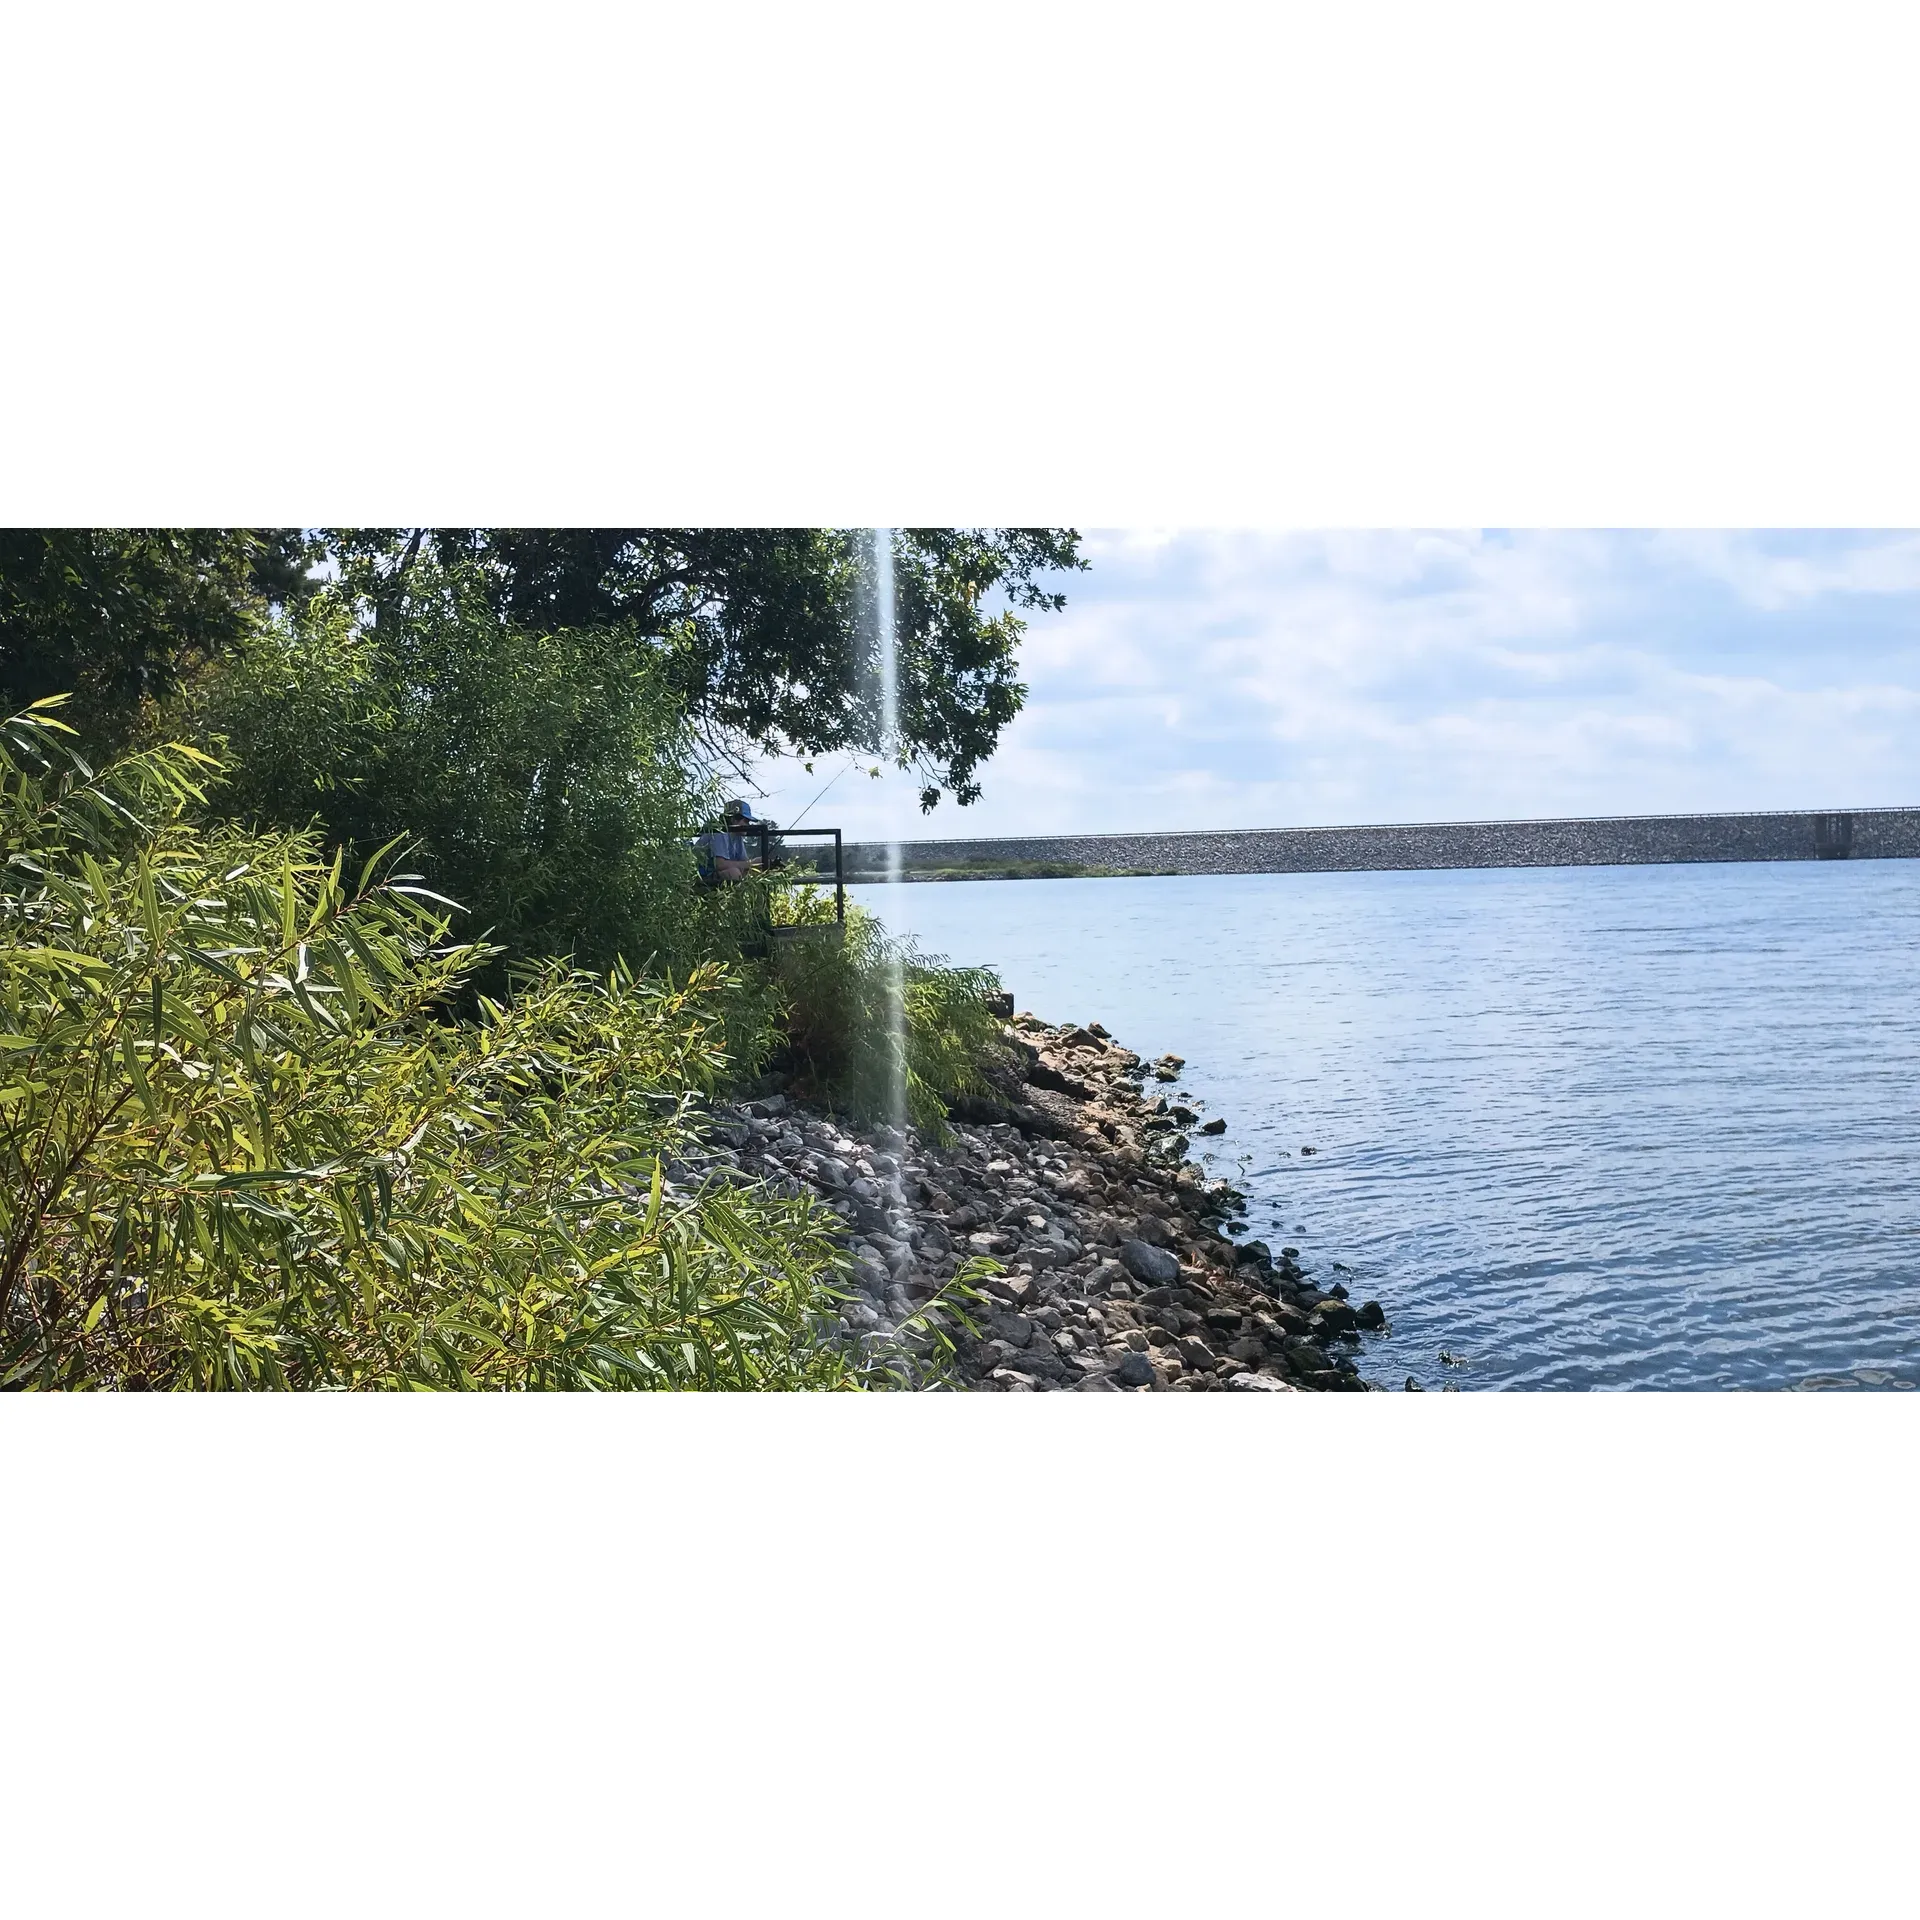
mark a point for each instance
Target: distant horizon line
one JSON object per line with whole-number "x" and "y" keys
{"x": 1380, "y": 826}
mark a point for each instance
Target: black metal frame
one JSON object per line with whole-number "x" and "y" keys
{"x": 770, "y": 834}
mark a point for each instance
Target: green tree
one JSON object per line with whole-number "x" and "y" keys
{"x": 545, "y": 778}
{"x": 769, "y": 634}
{"x": 118, "y": 616}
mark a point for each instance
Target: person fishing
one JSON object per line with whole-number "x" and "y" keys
{"x": 723, "y": 854}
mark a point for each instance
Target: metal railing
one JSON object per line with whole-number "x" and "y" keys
{"x": 774, "y": 852}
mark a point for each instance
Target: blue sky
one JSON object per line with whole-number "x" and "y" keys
{"x": 1217, "y": 679}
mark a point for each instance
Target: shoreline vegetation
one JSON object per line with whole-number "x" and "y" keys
{"x": 366, "y": 1021}
{"x": 265, "y": 1123}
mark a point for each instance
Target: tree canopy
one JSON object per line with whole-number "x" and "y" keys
{"x": 117, "y": 615}
{"x": 769, "y": 634}
{"x": 765, "y": 637}
{"x": 544, "y": 779}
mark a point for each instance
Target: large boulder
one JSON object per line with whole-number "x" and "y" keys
{"x": 1153, "y": 1265}
{"x": 1014, "y": 1328}
{"x": 1017, "y": 1289}
{"x": 1041, "y": 1074}
{"x": 1306, "y": 1359}
{"x": 1333, "y": 1317}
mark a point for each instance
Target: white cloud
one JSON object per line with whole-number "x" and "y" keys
{"x": 1767, "y": 577}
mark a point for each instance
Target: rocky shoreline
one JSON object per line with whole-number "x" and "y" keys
{"x": 1113, "y": 1262}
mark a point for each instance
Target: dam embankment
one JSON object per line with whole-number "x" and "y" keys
{"x": 1873, "y": 833}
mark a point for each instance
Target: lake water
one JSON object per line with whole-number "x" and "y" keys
{"x": 1574, "y": 1127}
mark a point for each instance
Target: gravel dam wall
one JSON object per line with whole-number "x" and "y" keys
{"x": 1875, "y": 833}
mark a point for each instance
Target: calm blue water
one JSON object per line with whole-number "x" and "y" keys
{"x": 1577, "y": 1127}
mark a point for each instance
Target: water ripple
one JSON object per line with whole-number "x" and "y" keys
{"x": 1585, "y": 1127}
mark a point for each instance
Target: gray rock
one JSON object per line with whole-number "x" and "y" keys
{"x": 1041, "y": 1074}
{"x": 1154, "y": 1265}
{"x": 1259, "y": 1383}
{"x": 1043, "y": 1363}
{"x": 1014, "y": 1328}
{"x": 1136, "y": 1370}
{"x": 1016, "y": 1289}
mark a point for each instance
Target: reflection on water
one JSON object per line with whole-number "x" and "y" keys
{"x": 1575, "y": 1127}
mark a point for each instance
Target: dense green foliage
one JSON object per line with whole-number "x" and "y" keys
{"x": 544, "y": 779}
{"x": 845, "y": 1046}
{"x": 241, "y": 1143}
{"x": 119, "y": 616}
{"x": 769, "y": 633}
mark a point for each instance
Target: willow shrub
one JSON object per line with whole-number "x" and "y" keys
{"x": 548, "y": 780}
{"x": 843, "y": 1040}
{"x": 242, "y": 1144}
